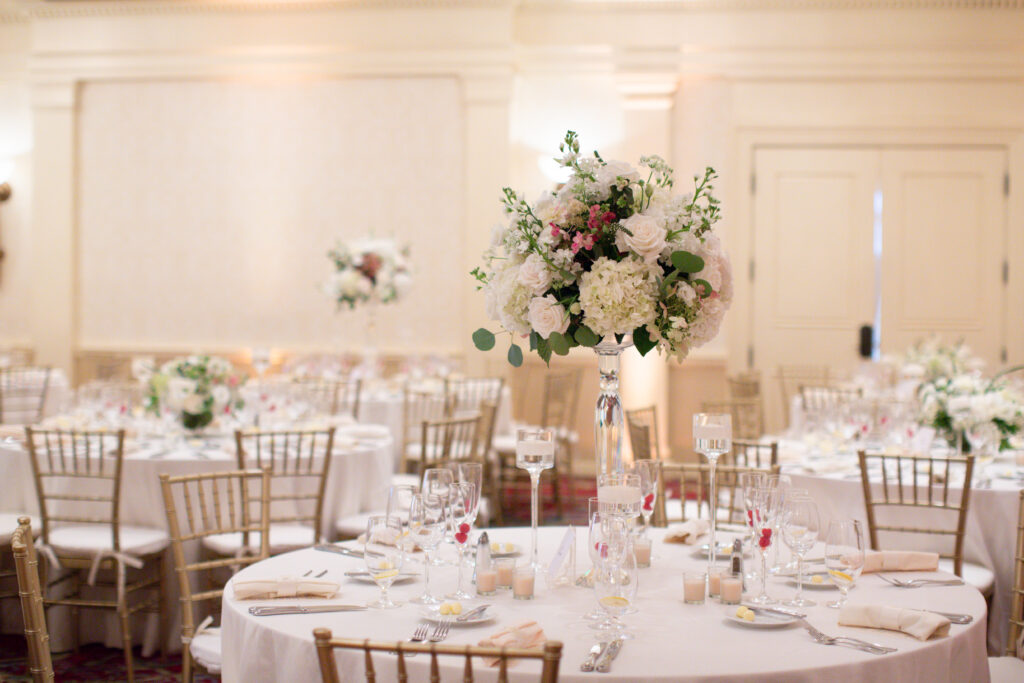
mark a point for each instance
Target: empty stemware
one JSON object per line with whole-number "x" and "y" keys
{"x": 844, "y": 556}
{"x": 800, "y": 528}
{"x": 383, "y": 553}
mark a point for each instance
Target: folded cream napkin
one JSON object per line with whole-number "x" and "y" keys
{"x": 16, "y": 432}
{"x": 527, "y": 635}
{"x": 284, "y": 587}
{"x": 900, "y": 561}
{"x": 921, "y": 625}
{"x": 688, "y": 532}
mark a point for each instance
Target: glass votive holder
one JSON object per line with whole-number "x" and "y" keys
{"x": 522, "y": 583}
{"x": 642, "y": 551}
{"x": 731, "y": 587}
{"x": 504, "y": 570}
{"x": 486, "y": 581}
{"x": 694, "y": 587}
{"x": 715, "y": 580}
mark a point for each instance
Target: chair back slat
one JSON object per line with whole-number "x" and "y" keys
{"x": 747, "y": 415}
{"x": 693, "y": 482}
{"x": 467, "y": 393}
{"x": 89, "y": 463}
{"x": 923, "y": 483}
{"x": 643, "y": 433}
{"x": 455, "y": 438}
{"x": 550, "y": 656}
{"x": 747, "y": 453}
{"x": 26, "y": 564}
{"x": 23, "y": 391}
{"x": 561, "y": 398}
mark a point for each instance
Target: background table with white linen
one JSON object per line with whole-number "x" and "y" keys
{"x": 359, "y": 476}
{"x": 675, "y": 641}
{"x": 833, "y": 480}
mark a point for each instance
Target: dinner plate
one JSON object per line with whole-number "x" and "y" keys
{"x": 505, "y": 550}
{"x": 810, "y": 585}
{"x": 364, "y": 577}
{"x": 432, "y": 614}
{"x": 761, "y": 619}
{"x": 724, "y": 550}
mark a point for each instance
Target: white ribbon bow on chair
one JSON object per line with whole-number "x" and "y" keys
{"x": 120, "y": 560}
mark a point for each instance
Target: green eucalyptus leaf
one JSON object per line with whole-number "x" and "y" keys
{"x": 687, "y": 262}
{"x": 544, "y": 350}
{"x": 642, "y": 340}
{"x": 559, "y": 344}
{"x": 483, "y": 339}
{"x": 705, "y": 288}
{"x": 586, "y": 336}
{"x": 534, "y": 338}
{"x": 515, "y": 356}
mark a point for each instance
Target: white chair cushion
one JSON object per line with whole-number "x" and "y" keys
{"x": 282, "y": 537}
{"x": 205, "y": 649}
{"x": 8, "y": 523}
{"x": 1006, "y": 669}
{"x": 89, "y": 539}
{"x": 353, "y": 525}
{"x": 981, "y": 578}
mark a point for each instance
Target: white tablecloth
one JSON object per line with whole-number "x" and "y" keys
{"x": 991, "y": 531}
{"x": 676, "y": 642}
{"x": 358, "y": 480}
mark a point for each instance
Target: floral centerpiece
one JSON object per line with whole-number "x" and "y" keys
{"x": 611, "y": 253}
{"x": 970, "y": 408}
{"x": 196, "y": 387}
{"x": 368, "y": 270}
{"x": 930, "y": 359}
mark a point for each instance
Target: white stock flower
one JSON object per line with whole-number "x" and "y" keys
{"x": 546, "y": 315}
{"x": 645, "y": 236}
{"x": 534, "y": 274}
{"x": 192, "y": 404}
{"x": 618, "y": 296}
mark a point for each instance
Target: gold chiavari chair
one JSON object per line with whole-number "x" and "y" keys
{"x": 745, "y": 384}
{"x": 23, "y": 392}
{"x": 693, "y": 481}
{"x": 747, "y": 453}
{"x": 467, "y": 393}
{"x": 8, "y": 574}
{"x": 928, "y": 493}
{"x": 78, "y": 483}
{"x": 26, "y": 563}
{"x": 453, "y": 438}
{"x": 1010, "y": 668}
{"x": 816, "y": 398}
{"x": 202, "y": 506}
{"x": 550, "y": 656}
{"x": 12, "y": 357}
{"x": 643, "y": 433}
{"x": 792, "y": 377}
{"x": 747, "y": 416}
{"x": 329, "y": 396}
{"x": 350, "y": 392}
{"x": 419, "y": 406}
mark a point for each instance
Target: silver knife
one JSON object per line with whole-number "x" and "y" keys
{"x": 604, "y": 664}
{"x": 273, "y": 610}
{"x": 588, "y": 663}
{"x": 341, "y": 550}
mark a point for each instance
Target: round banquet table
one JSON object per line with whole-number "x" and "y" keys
{"x": 360, "y": 473}
{"x": 675, "y": 641}
{"x": 833, "y": 480}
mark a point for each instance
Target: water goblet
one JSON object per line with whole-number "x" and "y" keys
{"x": 438, "y": 481}
{"x": 535, "y": 452}
{"x": 427, "y": 523}
{"x": 615, "y": 583}
{"x": 384, "y": 555}
{"x": 712, "y": 438}
{"x": 844, "y": 556}
{"x": 800, "y": 527}
{"x": 461, "y": 507}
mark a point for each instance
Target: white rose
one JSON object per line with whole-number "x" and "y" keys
{"x": 221, "y": 396}
{"x": 534, "y": 274}
{"x": 193, "y": 404}
{"x": 609, "y": 174}
{"x": 647, "y": 236}
{"x": 546, "y": 315}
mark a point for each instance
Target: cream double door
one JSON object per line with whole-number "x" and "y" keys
{"x": 909, "y": 240}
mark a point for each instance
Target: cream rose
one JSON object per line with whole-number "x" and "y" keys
{"x": 546, "y": 315}
{"x": 193, "y": 404}
{"x": 646, "y": 236}
{"x": 534, "y": 274}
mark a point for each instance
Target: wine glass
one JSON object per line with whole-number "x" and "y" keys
{"x": 615, "y": 579}
{"x": 461, "y": 505}
{"x": 383, "y": 555}
{"x": 473, "y": 473}
{"x": 535, "y": 452}
{"x": 783, "y": 484}
{"x": 399, "y": 501}
{"x": 649, "y": 471}
{"x": 765, "y": 505}
{"x": 438, "y": 481}
{"x": 747, "y": 483}
{"x": 427, "y": 523}
{"x": 800, "y": 528}
{"x": 844, "y": 556}
{"x": 712, "y": 438}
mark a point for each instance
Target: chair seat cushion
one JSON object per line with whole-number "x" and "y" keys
{"x": 1006, "y": 669}
{"x": 8, "y": 523}
{"x": 205, "y": 649}
{"x": 981, "y": 578}
{"x": 282, "y": 537}
{"x": 86, "y": 540}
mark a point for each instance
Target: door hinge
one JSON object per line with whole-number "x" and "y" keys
{"x": 753, "y": 183}
{"x": 1002, "y": 355}
{"x": 1006, "y": 271}
{"x": 750, "y": 357}
{"x": 1006, "y": 183}
{"x": 751, "y": 270}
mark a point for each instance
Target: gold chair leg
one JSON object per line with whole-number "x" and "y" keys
{"x": 186, "y": 664}
{"x": 126, "y": 637}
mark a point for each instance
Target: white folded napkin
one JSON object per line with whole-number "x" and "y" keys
{"x": 688, "y": 532}
{"x": 284, "y": 587}
{"x": 900, "y": 561}
{"x": 921, "y": 625}
{"x": 527, "y": 635}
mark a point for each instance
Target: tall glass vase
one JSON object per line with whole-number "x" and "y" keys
{"x": 608, "y": 413}
{"x": 371, "y": 350}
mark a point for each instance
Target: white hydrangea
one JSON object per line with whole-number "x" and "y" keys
{"x": 508, "y": 301}
{"x": 618, "y": 296}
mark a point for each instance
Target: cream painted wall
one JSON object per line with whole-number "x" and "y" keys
{"x": 206, "y": 210}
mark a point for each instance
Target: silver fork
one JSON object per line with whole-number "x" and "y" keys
{"x": 918, "y": 583}
{"x": 441, "y": 630}
{"x": 420, "y": 634}
{"x": 873, "y": 648}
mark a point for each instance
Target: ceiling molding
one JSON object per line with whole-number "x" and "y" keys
{"x": 762, "y": 5}
{"x": 56, "y": 9}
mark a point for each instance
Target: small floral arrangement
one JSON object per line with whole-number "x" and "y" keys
{"x": 611, "y": 253}
{"x": 982, "y": 411}
{"x": 930, "y": 359}
{"x": 197, "y": 387}
{"x": 368, "y": 270}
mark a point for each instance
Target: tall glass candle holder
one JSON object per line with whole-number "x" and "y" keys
{"x": 712, "y": 438}
{"x": 535, "y": 452}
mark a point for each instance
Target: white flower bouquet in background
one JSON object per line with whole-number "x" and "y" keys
{"x": 612, "y": 253}
{"x": 930, "y": 359}
{"x": 368, "y": 270}
{"x": 980, "y": 413}
{"x": 196, "y": 387}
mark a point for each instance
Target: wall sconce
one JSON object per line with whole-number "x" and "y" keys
{"x": 6, "y": 171}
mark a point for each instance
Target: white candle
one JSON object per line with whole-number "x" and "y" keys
{"x": 712, "y": 431}
{"x": 486, "y": 581}
{"x": 732, "y": 590}
{"x": 522, "y": 583}
{"x": 714, "y": 580}
{"x": 693, "y": 588}
{"x": 619, "y": 494}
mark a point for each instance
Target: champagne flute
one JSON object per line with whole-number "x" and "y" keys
{"x": 783, "y": 484}
{"x": 473, "y": 473}
{"x": 535, "y": 452}
{"x": 844, "y": 556}
{"x": 712, "y": 437}
{"x": 427, "y": 523}
{"x": 765, "y": 505}
{"x": 383, "y": 555}
{"x": 615, "y": 579}
{"x": 747, "y": 483}
{"x": 461, "y": 507}
{"x": 438, "y": 481}
{"x": 649, "y": 471}
{"x": 800, "y": 529}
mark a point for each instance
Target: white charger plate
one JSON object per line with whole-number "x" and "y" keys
{"x": 825, "y": 584}
{"x": 433, "y": 615}
{"x": 761, "y": 619}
